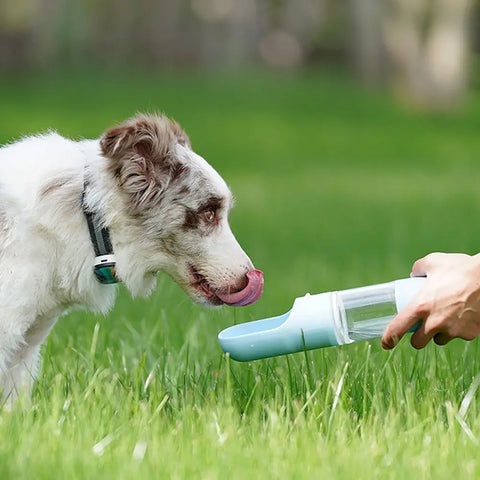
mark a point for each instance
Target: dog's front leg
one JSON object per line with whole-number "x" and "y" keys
{"x": 19, "y": 377}
{"x": 19, "y": 352}
{"x": 22, "y": 367}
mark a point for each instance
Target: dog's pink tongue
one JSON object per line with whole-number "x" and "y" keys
{"x": 250, "y": 294}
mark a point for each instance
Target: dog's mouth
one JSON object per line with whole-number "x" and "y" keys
{"x": 246, "y": 295}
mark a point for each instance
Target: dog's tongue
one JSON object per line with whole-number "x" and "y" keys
{"x": 250, "y": 294}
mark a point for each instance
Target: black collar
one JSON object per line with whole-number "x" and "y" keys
{"x": 104, "y": 267}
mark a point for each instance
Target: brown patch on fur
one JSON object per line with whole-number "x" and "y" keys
{"x": 177, "y": 170}
{"x": 213, "y": 203}
{"x": 140, "y": 157}
{"x": 192, "y": 220}
{"x": 184, "y": 190}
{"x": 194, "y": 217}
{"x": 147, "y": 135}
{"x": 54, "y": 186}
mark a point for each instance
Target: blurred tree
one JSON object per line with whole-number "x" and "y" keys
{"x": 420, "y": 46}
{"x": 427, "y": 43}
{"x": 16, "y": 21}
{"x": 366, "y": 43}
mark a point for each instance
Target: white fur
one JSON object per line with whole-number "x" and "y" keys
{"x": 46, "y": 256}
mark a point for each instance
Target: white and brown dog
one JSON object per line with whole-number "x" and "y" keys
{"x": 163, "y": 208}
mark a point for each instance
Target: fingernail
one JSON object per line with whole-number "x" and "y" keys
{"x": 387, "y": 345}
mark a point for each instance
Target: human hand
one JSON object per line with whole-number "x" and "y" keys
{"x": 448, "y": 304}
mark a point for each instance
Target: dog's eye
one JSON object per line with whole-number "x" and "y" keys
{"x": 210, "y": 216}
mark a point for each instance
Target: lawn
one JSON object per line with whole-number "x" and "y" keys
{"x": 335, "y": 187}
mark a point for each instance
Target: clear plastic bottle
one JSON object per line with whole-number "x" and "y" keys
{"x": 365, "y": 312}
{"x": 322, "y": 320}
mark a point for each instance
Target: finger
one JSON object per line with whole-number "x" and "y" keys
{"x": 422, "y": 336}
{"x": 397, "y": 328}
{"x": 442, "y": 338}
{"x": 422, "y": 266}
{"x": 418, "y": 268}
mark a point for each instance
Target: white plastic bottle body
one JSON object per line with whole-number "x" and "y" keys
{"x": 365, "y": 312}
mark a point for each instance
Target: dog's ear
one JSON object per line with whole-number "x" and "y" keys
{"x": 146, "y": 135}
{"x": 116, "y": 141}
{"x": 140, "y": 156}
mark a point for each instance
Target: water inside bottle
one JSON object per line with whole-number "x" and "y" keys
{"x": 365, "y": 312}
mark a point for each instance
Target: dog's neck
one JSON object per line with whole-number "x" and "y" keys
{"x": 133, "y": 265}
{"x": 104, "y": 265}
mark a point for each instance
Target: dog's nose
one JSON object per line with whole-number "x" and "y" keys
{"x": 242, "y": 282}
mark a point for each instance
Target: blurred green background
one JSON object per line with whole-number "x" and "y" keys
{"x": 348, "y": 132}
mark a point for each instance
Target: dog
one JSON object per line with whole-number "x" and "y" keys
{"x": 140, "y": 194}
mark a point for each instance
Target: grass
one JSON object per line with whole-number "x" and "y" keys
{"x": 336, "y": 187}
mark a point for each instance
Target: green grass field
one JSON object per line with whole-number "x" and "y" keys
{"x": 336, "y": 187}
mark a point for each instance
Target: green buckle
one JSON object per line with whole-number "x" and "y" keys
{"x": 105, "y": 273}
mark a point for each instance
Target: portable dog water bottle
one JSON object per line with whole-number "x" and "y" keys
{"x": 322, "y": 320}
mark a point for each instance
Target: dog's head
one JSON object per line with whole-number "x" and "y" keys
{"x": 181, "y": 206}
